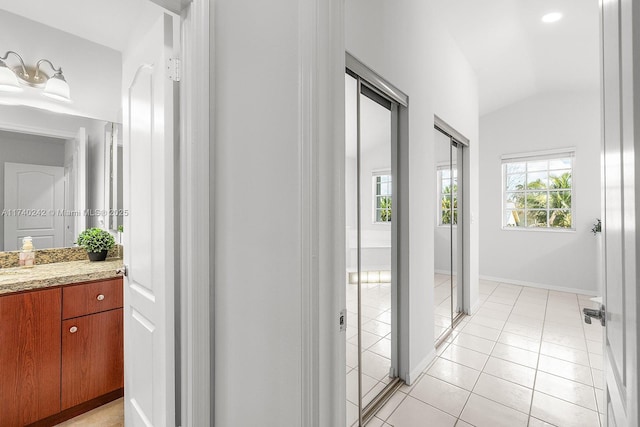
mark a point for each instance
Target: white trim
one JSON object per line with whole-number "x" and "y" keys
{"x": 321, "y": 166}
{"x": 196, "y": 329}
{"x": 331, "y": 221}
{"x": 539, "y": 285}
{"x": 36, "y": 130}
{"x": 475, "y": 308}
{"x": 308, "y": 123}
{"x": 410, "y": 377}
{"x": 541, "y": 229}
{"x": 558, "y": 152}
{"x": 380, "y": 172}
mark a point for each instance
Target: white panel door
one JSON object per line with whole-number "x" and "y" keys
{"x": 149, "y": 228}
{"x": 33, "y": 203}
{"x": 620, "y": 221}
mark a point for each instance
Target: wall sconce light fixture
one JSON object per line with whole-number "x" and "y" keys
{"x": 12, "y": 79}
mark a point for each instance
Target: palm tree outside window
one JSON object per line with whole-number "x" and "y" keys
{"x": 447, "y": 195}
{"x": 538, "y": 191}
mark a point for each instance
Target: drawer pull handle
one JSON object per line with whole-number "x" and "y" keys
{"x": 73, "y": 329}
{"x": 100, "y": 297}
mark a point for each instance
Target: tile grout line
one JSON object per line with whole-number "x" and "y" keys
{"x": 485, "y": 363}
{"x": 471, "y": 391}
{"x": 535, "y": 375}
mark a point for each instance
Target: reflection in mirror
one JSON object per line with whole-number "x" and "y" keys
{"x": 52, "y": 175}
{"x": 66, "y": 135}
{"x": 113, "y": 168}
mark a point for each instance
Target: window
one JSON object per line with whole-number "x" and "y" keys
{"x": 538, "y": 191}
{"x": 382, "y": 198}
{"x": 447, "y": 195}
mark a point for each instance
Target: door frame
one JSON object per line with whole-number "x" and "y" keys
{"x": 321, "y": 130}
{"x": 620, "y": 58}
{"x": 464, "y": 207}
{"x": 194, "y": 275}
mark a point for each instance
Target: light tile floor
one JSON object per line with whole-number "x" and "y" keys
{"x": 108, "y": 415}
{"x": 526, "y": 358}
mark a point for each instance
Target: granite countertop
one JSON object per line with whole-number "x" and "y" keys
{"x": 42, "y": 276}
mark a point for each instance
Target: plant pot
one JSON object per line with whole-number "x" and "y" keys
{"x": 97, "y": 256}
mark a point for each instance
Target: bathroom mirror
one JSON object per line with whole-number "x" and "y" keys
{"x": 54, "y": 170}
{"x": 62, "y": 154}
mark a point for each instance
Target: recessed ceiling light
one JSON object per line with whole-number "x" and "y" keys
{"x": 552, "y": 17}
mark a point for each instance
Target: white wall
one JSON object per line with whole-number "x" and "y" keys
{"x": 404, "y": 42}
{"x": 550, "y": 259}
{"x": 93, "y": 71}
{"x": 258, "y": 342}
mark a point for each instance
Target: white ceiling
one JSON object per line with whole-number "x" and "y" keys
{"x": 109, "y": 23}
{"x": 515, "y": 55}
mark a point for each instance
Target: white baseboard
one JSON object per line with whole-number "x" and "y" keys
{"x": 476, "y": 306}
{"x": 539, "y": 285}
{"x": 415, "y": 373}
{"x": 445, "y": 272}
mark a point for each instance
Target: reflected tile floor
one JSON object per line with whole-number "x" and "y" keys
{"x": 108, "y": 415}
{"x": 525, "y": 358}
{"x": 376, "y": 343}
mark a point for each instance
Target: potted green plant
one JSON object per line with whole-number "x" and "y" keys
{"x": 96, "y": 242}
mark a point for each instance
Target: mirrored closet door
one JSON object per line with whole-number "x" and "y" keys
{"x": 448, "y": 233}
{"x": 371, "y": 246}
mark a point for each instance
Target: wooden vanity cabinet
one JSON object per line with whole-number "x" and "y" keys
{"x": 29, "y": 356}
{"x": 92, "y": 341}
{"x": 61, "y": 352}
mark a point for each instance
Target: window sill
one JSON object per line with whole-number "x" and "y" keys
{"x": 540, "y": 230}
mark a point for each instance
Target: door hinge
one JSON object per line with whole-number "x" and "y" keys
{"x": 173, "y": 68}
{"x": 123, "y": 271}
{"x": 342, "y": 321}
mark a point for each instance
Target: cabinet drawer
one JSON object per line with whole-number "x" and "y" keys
{"x": 88, "y": 298}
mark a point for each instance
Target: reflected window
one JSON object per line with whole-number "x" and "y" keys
{"x": 447, "y": 195}
{"x": 382, "y": 198}
{"x": 538, "y": 191}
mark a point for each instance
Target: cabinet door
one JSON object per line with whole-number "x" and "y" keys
{"x": 92, "y": 357}
{"x": 29, "y": 356}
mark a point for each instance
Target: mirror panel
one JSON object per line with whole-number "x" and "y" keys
{"x": 69, "y": 151}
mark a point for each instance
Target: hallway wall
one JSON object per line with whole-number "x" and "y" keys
{"x": 542, "y": 258}
{"x": 404, "y": 42}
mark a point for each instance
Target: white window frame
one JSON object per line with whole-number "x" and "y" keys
{"x": 439, "y": 169}
{"x": 374, "y": 177}
{"x": 534, "y": 157}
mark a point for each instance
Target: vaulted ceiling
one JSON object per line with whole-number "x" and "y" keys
{"x": 515, "y": 55}
{"x": 108, "y": 23}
